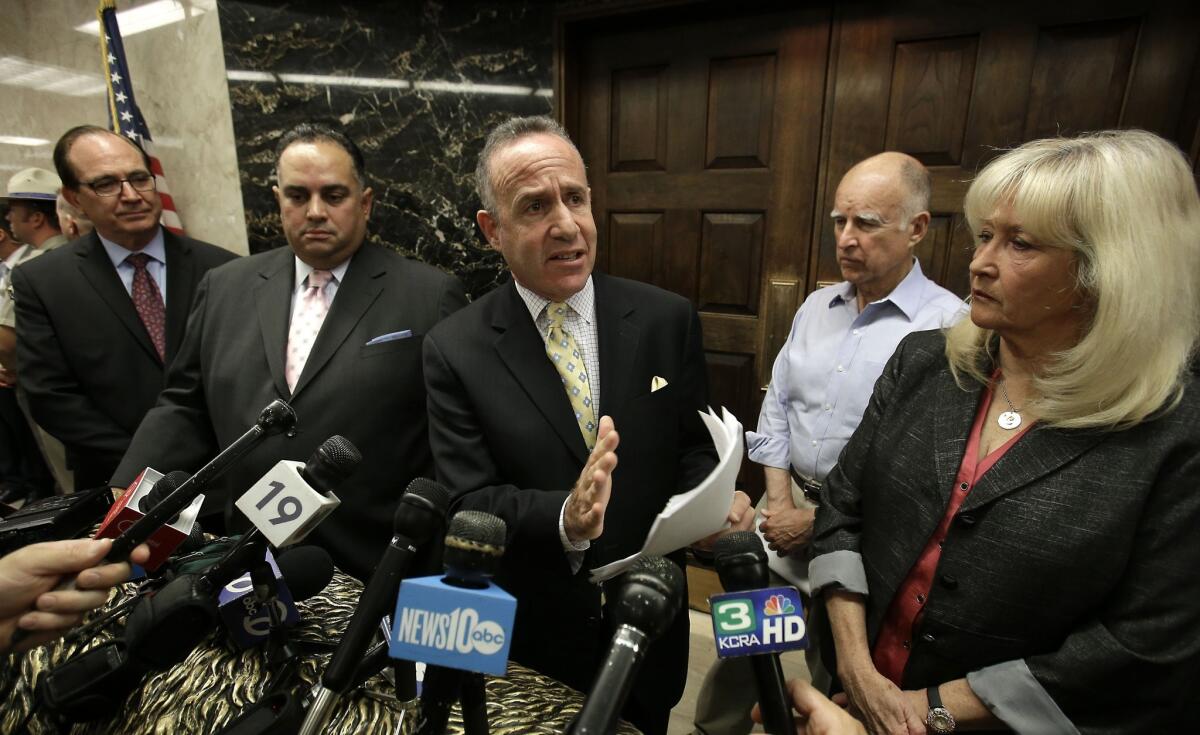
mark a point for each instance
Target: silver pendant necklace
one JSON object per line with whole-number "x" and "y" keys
{"x": 1011, "y": 418}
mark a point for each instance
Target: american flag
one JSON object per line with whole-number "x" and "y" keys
{"x": 124, "y": 117}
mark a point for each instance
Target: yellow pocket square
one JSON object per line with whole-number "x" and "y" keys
{"x": 657, "y": 383}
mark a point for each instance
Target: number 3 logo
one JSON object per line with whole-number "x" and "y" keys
{"x": 734, "y": 616}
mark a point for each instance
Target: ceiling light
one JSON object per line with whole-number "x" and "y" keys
{"x": 21, "y": 140}
{"x": 150, "y": 15}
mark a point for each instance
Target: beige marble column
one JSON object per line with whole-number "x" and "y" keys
{"x": 50, "y": 80}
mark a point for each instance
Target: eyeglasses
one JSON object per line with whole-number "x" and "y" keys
{"x": 109, "y": 186}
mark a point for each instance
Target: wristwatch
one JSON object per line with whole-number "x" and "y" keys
{"x": 938, "y": 719}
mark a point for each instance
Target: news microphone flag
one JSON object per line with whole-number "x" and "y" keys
{"x": 247, "y": 621}
{"x": 283, "y": 506}
{"x": 124, "y": 117}
{"x": 758, "y": 621}
{"x": 455, "y": 627}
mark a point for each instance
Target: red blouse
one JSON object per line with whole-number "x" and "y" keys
{"x": 895, "y": 637}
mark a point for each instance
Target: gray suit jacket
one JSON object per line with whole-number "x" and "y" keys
{"x": 231, "y": 365}
{"x": 1076, "y": 554}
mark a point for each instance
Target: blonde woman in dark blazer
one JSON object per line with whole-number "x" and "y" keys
{"x": 1011, "y": 539}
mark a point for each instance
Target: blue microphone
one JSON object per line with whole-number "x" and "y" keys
{"x": 460, "y": 625}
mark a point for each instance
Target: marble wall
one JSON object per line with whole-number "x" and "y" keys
{"x": 50, "y": 80}
{"x": 417, "y": 84}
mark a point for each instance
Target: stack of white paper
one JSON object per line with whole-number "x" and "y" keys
{"x": 700, "y": 512}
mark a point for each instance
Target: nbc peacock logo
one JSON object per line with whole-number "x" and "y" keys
{"x": 778, "y": 605}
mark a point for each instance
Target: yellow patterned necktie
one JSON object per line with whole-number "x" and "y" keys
{"x": 568, "y": 361}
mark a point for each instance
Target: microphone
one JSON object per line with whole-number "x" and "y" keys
{"x": 419, "y": 515}
{"x": 647, "y": 602}
{"x": 276, "y": 418}
{"x": 742, "y": 566}
{"x": 163, "y": 487}
{"x": 292, "y": 498}
{"x": 460, "y": 625}
{"x": 248, "y": 622}
{"x": 163, "y": 629}
{"x": 160, "y": 631}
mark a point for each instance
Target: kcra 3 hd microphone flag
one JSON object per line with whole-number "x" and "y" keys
{"x": 758, "y": 621}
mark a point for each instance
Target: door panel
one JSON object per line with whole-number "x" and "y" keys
{"x": 715, "y": 139}
{"x": 702, "y": 144}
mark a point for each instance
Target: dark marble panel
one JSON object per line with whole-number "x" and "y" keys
{"x": 419, "y": 130}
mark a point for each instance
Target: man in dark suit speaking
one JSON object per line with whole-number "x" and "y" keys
{"x": 332, "y": 325}
{"x": 98, "y": 320}
{"x": 527, "y": 389}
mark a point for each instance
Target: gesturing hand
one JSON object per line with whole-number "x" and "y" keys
{"x": 583, "y": 516}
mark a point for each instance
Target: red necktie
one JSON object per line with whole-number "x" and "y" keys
{"x": 148, "y": 301}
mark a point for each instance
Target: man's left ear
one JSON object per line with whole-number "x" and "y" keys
{"x": 920, "y": 226}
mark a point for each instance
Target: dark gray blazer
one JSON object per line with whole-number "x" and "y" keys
{"x": 231, "y": 364}
{"x": 1078, "y": 552}
{"x": 84, "y": 357}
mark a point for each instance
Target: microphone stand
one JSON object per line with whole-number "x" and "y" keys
{"x": 465, "y": 687}
{"x": 282, "y": 658}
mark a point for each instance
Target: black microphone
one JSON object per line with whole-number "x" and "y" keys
{"x": 276, "y": 418}
{"x": 742, "y": 565}
{"x": 647, "y": 602}
{"x": 163, "y": 629}
{"x": 474, "y": 548}
{"x": 166, "y": 485}
{"x": 419, "y": 516}
{"x": 160, "y": 631}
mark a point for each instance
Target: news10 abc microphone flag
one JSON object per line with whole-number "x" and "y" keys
{"x": 459, "y": 620}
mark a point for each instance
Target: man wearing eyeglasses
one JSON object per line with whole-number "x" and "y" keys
{"x": 100, "y": 319}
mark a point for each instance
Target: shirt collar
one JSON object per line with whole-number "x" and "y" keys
{"x": 117, "y": 254}
{"x": 583, "y": 301}
{"x": 303, "y": 269}
{"x": 15, "y": 257}
{"x": 906, "y": 295}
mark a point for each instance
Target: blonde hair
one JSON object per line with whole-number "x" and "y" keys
{"x": 1125, "y": 202}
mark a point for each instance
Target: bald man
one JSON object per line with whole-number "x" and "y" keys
{"x": 840, "y": 339}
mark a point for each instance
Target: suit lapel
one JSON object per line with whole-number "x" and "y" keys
{"x": 1029, "y": 459}
{"x": 98, "y": 270}
{"x": 952, "y": 421}
{"x": 355, "y": 295}
{"x": 523, "y": 352}
{"x": 273, "y": 299}
{"x": 618, "y": 336}
{"x": 181, "y": 279}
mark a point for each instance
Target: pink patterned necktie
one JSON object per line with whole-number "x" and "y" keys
{"x": 148, "y": 301}
{"x": 306, "y": 323}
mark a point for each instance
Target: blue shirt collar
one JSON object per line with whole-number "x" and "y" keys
{"x": 117, "y": 254}
{"x": 906, "y": 296}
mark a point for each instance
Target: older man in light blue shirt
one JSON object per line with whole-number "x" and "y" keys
{"x": 841, "y": 338}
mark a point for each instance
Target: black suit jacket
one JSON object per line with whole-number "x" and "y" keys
{"x": 505, "y": 441}
{"x": 84, "y": 356}
{"x": 231, "y": 365}
{"x": 1076, "y": 552}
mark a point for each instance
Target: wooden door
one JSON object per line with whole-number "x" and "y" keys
{"x": 950, "y": 83}
{"x": 715, "y": 138}
{"x": 702, "y": 143}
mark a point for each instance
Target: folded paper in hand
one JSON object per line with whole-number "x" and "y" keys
{"x": 701, "y": 511}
